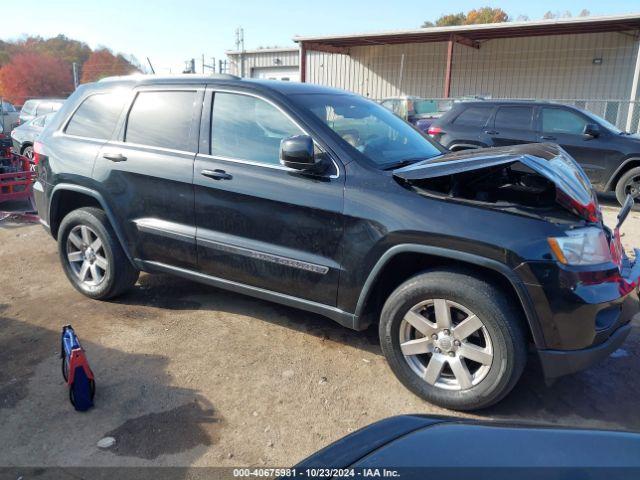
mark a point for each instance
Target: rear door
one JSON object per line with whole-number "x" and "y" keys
{"x": 565, "y": 127}
{"x": 468, "y": 128}
{"x": 511, "y": 125}
{"x": 147, "y": 173}
{"x": 259, "y": 223}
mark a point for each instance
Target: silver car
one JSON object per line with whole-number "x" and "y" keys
{"x": 26, "y": 134}
{"x": 39, "y": 106}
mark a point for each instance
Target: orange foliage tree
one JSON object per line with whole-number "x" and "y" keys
{"x": 33, "y": 74}
{"x": 102, "y": 63}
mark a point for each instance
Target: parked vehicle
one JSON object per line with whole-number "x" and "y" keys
{"x": 39, "y": 106}
{"x": 420, "y": 112}
{"x": 610, "y": 157}
{"x": 463, "y": 448}
{"x": 8, "y": 116}
{"x": 326, "y": 201}
{"x": 25, "y": 135}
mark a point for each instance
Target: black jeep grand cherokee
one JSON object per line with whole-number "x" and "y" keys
{"x": 323, "y": 200}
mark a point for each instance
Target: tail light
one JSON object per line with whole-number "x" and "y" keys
{"x": 434, "y": 130}
{"x": 37, "y": 153}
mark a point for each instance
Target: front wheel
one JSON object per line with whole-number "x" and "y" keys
{"x": 629, "y": 184}
{"x": 453, "y": 339}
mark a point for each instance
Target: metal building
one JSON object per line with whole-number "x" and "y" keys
{"x": 593, "y": 62}
{"x": 266, "y": 63}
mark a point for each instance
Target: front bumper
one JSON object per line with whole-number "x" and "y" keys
{"x": 557, "y": 363}
{"x": 584, "y": 315}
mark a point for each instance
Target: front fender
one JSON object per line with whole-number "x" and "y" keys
{"x": 494, "y": 265}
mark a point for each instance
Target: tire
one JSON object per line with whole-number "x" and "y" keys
{"x": 108, "y": 272}
{"x": 498, "y": 343}
{"x": 629, "y": 180}
{"x": 28, "y": 152}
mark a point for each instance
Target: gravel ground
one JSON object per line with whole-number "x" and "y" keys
{"x": 189, "y": 375}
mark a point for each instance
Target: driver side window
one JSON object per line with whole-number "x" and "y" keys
{"x": 558, "y": 120}
{"x": 248, "y": 128}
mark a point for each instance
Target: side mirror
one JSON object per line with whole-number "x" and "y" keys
{"x": 591, "y": 130}
{"x": 298, "y": 152}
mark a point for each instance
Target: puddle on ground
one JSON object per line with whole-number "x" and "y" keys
{"x": 172, "y": 431}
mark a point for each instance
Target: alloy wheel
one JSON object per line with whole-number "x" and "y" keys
{"x": 633, "y": 187}
{"x": 446, "y": 344}
{"x": 86, "y": 255}
{"x": 28, "y": 153}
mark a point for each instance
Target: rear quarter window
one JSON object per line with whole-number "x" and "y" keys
{"x": 96, "y": 117}
{"x": 475, "y": 116}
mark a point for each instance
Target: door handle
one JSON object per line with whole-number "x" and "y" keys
{"x": 491, "y": 132}
{"x": 548, "y": 137}
{"x": 216, "y": 174}
{"x": 114, "y": 157}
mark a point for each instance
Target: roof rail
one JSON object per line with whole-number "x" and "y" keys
{"x": 144, "y": 76}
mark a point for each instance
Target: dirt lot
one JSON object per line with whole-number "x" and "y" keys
{"x": 191, "y": 375}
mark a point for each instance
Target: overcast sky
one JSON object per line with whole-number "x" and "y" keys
{"x": 170, "y": 32}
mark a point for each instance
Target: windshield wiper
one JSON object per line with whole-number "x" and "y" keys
{"x": 402, "y": 163}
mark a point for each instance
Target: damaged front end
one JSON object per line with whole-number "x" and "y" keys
{"x": 532, "y": 179}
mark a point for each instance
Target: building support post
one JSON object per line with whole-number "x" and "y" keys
{"x": 447, "y": 74}
{"x": 634, "y": 91}
{"x": 303, "y": 62}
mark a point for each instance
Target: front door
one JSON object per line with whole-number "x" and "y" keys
{"x": 258, "y": 223}
{"x": 565, "y": 127}
{"x": 148, "y": 174}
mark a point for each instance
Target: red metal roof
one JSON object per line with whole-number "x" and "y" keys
{"x": 564, "y": 26}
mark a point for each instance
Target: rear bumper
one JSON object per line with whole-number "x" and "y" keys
{"x": 556, "y": 363}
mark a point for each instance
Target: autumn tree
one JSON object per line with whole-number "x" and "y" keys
{"x": 102, "y": 63}
{"x": 486, "y": 15}
{"x": 475, "y": 16}
{"x": 33, "y": 74}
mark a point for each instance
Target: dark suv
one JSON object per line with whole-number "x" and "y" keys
{"x": 322, "y": 200}
{"x": 609, "y": 156}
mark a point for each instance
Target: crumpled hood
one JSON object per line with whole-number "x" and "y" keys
{"x": 574, "y": 190}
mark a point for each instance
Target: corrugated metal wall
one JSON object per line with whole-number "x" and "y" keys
{"x": 283, "y": 58}
{"x": 560, "y": 66}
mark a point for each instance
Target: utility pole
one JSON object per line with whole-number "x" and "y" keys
{"x": 150, "y": 66}
{"x": 240, "y": 47}
{"x": 211, "y": 67}
{"x": 75, "y": 74}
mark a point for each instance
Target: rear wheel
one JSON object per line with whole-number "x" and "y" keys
{"x": 453, "y": 339}
{"x": 629, "y": 184}
{"x": 28, "y": 152}
{"x": 91, "y": 255}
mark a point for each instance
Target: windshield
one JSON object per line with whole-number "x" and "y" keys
{"x": 369, "y": 128}
{"x": 602, "y": 121}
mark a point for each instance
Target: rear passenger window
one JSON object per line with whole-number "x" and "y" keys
{"x": 162, "y": 119}
{"x": 518, "y": 118}
{"x": 96, "y": 117}
{"x": 248, "y": 128}
{"x": 473, "y": 117}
